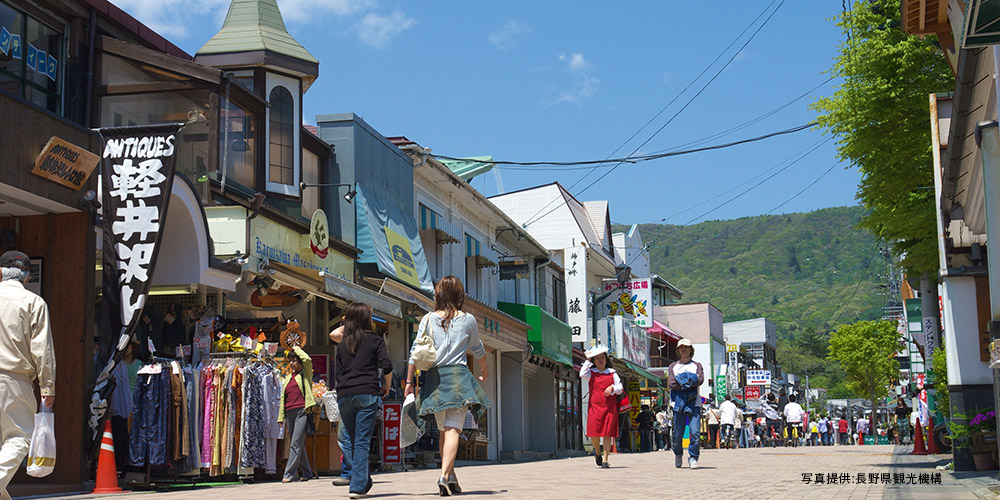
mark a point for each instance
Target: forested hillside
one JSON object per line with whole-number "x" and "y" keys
{"x": 806, "y": 272}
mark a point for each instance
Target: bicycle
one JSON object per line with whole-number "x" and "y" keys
{"x": 793, "y": 434}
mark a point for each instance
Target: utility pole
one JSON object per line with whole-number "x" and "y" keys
{"x": 807, "y": 390}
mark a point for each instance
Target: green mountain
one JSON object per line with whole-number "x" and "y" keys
{"x": 799, "y": 270}
{"x": 806, "y": 272}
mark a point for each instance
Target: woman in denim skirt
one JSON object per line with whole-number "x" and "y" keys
{"x": 450, "y": 390}
{"x": 361, "y": 354}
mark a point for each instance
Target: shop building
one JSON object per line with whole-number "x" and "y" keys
{"x": 702, "y": 324}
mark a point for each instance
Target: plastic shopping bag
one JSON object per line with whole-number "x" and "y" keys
{"x": 42, "y": 452}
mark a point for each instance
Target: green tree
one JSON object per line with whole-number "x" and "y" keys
{"x": 881, "y": 119}
{"x": 866, "y": 351}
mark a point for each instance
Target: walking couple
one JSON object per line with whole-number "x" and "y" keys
{"x": 449, "y": 389}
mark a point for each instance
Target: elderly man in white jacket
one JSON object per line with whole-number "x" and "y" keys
{"x": 26, "y": 355}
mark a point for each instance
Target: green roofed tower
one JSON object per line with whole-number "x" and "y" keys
{"x": 253, "y": 36}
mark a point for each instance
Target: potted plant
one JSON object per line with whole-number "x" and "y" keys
{"x": 978, "y": 435}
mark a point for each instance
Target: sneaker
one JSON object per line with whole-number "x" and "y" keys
{"x": 357, "y": 495}
{"x": 678, "y": 461}
{"x": 598, "y": 459}
{"x": 605, "y": 465}
{"x": 341, "y": 481}
{"x": 693, "y": 463}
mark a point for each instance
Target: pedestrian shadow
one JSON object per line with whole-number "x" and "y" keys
{"x": 434, "y": 494}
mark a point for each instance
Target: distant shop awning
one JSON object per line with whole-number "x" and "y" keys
{"x": 469, "y": 168}
{"x": 641, "y": 371}
{"x": 548, "y": 336}
{"x": 389, "y": 238}
{"x": 354, "y": 293}
{"x": 660, "y": 328}
{"x": 444, "y": 231}
{"x": 402, "y": 292}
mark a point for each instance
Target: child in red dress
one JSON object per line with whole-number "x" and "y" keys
{"x": 602, "y": 409}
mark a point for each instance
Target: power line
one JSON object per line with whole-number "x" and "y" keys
{"x": 867, "y": 269}
{"x": 590, "y": 164}
{"x": 752, "y": 120}
{"x": 664, "y": 108}
{"x": 692, "y": 207}
{"x": 675, "y": 115}
{"x": 745, "y": 191}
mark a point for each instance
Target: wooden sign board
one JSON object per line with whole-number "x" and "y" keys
{"x": 65, "y": 163}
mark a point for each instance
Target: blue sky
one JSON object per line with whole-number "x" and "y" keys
{"x": 565, "y": 81}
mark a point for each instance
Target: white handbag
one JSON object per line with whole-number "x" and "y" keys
{"x": 42, "y": 451}
{"x": 424, "y": 354}
{"x": 330, "y": 403}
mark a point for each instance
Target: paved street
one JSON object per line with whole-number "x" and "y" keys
{"x": 725, "y": 474}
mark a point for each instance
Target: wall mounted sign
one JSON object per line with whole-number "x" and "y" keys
{"x": 65, "y": 163}
{"x": 514, "y": 269}
{"x": 319, "y": 234}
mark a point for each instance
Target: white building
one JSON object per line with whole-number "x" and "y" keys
{"x": 758, "y": 335}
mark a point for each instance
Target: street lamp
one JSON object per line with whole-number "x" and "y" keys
{"x": 349, "y": 197}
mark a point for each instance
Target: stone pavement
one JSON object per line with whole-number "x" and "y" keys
{"x": 769, "y": 473}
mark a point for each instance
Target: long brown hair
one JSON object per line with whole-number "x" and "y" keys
{"x": 357, "y": 321}
{"x": 449, "y": 296}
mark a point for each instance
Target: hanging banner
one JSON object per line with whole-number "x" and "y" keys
{"x": 732, "y": 364}
{"x": 137, "y": 171}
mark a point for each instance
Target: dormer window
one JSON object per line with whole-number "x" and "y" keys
{"x": 283, "y": 169}
{"x": 281, "y": 166}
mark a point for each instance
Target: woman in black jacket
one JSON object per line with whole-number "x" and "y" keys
{"x": 361, "y": 354}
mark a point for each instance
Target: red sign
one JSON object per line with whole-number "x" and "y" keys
{"x": 392, "y": 453}
{"x": 751, "y": 392}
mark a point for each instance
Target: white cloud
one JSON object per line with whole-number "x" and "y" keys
{"x": 584, "y": 85}
{"x": 304, "y": 11}
{"x": 172, "y": 18}
{"x": 509, "y": 35}
{"x": 378, "y": 31}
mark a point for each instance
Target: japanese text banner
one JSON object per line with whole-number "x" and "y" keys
{"x": 137, "y": 170}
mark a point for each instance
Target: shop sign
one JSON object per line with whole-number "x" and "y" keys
{"x": 758, "y": 377}
{"x": 392, "y": 452}
{"x": 319, "y": 234}
{"x": 633, "y": 300}
{"x": 635, "y": 399}
{"x": 137, "y": 176}
{"x": 280, "y": 244}
{"x": 402, "y": 257}
{"x": 575, "y": 260}
{"x": 514, "y": 269}
{"x": 720, "y": 384}
{"x": 751, "y": 392}
{"x": 65, "y": 163}
{"x": 634, "y": 342}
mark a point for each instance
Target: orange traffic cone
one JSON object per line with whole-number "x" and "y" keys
{"x": 918, "y": 440}
{"x": 931, "y": 445}
{"x": 107, "y": 475}
{"x": 861, "y": 438}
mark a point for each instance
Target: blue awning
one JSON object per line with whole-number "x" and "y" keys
{"x": 389, "y": 238}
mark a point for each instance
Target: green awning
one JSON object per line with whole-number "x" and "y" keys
{"x": 470, "y": 167}
{"x": 641, "y": 371}
{"x": 548, "y": 336}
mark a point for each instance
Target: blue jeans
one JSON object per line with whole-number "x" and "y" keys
{"x": 344, "y": 441}
{"x": 694, "y": 430}
{"x": 357, "y": 415}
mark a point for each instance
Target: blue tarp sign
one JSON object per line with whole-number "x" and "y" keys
{"x": 50, "y": 70}
{"x": 15, "y": 46}
{"x": 4, "y": 40}
{"x": 32, "y": 56}
{"x": 378, "y": 220}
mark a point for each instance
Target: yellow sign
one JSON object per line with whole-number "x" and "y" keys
{"x": 65, "y": 163}
{"x": 402, "y": 257}
{"x": 732, "y": 347}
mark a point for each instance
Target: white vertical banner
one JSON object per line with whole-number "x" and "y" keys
{"x": 733, "y": 367}
{"x": 575, "y": 265}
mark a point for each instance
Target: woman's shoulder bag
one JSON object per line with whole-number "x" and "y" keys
{"x": 424, "y": 355}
